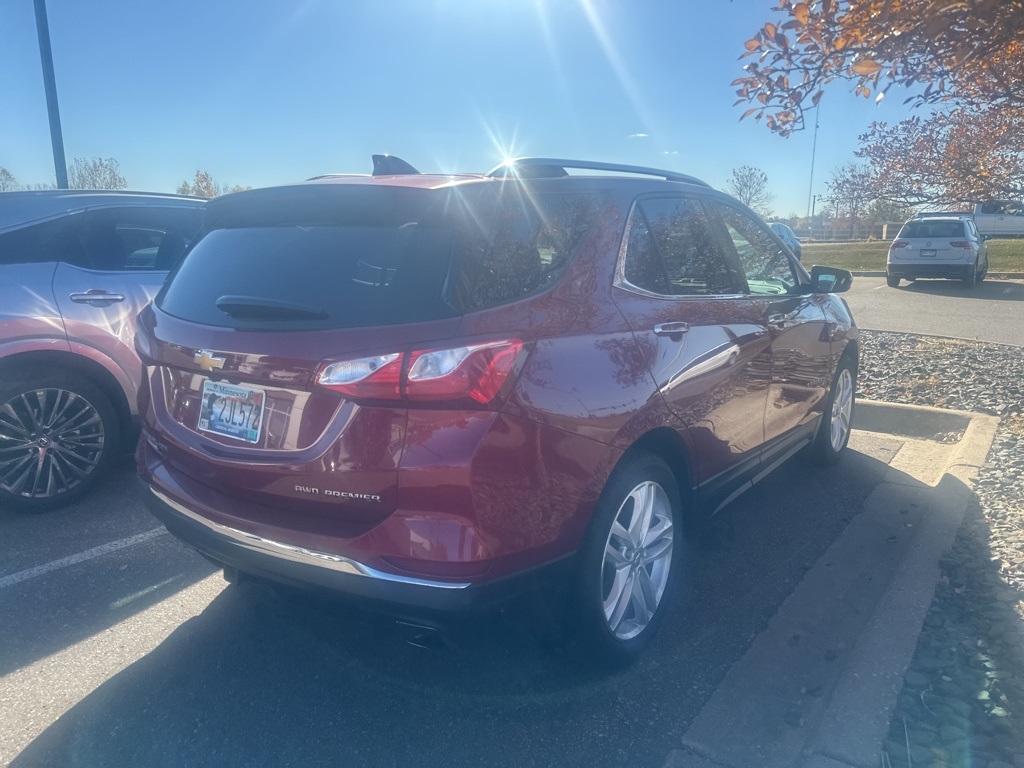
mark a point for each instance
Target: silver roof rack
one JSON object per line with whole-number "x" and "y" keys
{"x": 549, "y": 167}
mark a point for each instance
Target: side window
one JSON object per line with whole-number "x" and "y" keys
{"x": 672, "y": 250}
{"x": 518, "y": 244}
{"x": 47, "y": 241}
{"x": 766, "y": 266}
{"x": 1002, "y": 207}
{"x": 134, "y": 238}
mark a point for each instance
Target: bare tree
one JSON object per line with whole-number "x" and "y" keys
{"x": 749, "y": 185}
{"x": 203, "y": 185}
{"x": 7, "y": 181}
{"x": 97, "y": 173}
{"x": 850, "y": 190}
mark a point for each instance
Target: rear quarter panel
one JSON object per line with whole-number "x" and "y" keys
{"x": 584, "y": 395}
{"x": 29, "y": 318}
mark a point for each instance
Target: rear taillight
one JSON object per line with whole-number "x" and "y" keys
{"x": 477, "y": 371}
{"x": 899, "y": 244}
{"x": 961, "y": 244}
{"x": 474, "y": 372}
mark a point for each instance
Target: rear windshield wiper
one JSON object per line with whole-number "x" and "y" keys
{"x": 259, "y": 308}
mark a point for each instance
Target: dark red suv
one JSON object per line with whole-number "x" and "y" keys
{"x": 419, "y": 387}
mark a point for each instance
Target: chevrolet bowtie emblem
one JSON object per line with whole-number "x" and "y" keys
{"x": 208, "y": 362}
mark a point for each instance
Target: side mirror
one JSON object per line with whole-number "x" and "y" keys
{"x": 986, "y": 237}
{"x": 830, "y": 279}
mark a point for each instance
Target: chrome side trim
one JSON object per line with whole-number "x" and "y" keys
{"x": 300, "y": 555}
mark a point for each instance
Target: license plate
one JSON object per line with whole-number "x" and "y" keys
{"x": 232, "y": 411}
{"x": 927, "y": 251}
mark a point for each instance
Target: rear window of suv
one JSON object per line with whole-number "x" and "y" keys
{"x": 349, "y": 256}
{"x": 936, "y": 229}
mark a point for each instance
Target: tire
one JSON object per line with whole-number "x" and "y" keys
{"x": 610, "y": 632}
{"x": 58, "y": 436}
{"x": 833, "y": 433}
{"x": 972, "y": 279}
{"x": 984, "y": 272}
{"x": 892, "y": 282}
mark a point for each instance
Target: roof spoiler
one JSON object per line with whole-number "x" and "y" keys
{"x": 389, "y": 165}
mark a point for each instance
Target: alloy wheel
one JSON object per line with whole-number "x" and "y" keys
{"x": 842, "y": 408}
{"x": 637, "y": 560}
{"x": 51, "y": 441}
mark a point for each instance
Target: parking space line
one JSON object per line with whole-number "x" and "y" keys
{"x": 54, "y": 565}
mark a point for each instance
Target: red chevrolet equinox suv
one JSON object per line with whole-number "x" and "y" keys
{"x": 430, "y": 389}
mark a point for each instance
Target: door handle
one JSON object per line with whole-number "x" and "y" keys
{"x": 671, "y": 329}
{"x": 780, "y": 322}
{"x": 96, "y": 296}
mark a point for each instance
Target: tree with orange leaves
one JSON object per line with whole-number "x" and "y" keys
{"x": 968, "y": 51}
{"x": 963, "y": 155}
{"x": 966, "y": 57}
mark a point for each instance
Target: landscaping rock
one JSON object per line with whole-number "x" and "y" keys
{"x": 970, "y": 654}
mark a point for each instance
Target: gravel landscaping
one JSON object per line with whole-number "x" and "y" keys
{"x": 962, "y": 702}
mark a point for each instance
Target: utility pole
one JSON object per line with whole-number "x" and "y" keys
{"x": 60, "y": 165}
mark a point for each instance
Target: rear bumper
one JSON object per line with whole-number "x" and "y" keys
{"x": 300, "y": 567}
{"x": 915, "y": 269}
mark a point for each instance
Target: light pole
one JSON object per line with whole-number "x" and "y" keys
{"x": 60, "y": 165}
{"x": 814, "y": 150}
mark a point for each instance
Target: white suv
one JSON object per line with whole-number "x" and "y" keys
{"x": 941, "y": 246}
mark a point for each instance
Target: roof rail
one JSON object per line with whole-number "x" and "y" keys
{"x": 549, "y": 167}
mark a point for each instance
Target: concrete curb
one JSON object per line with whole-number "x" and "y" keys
{"x": 819, "y": 685}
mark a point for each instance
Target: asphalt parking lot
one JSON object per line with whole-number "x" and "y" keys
{"x": 141, "y": 656}
{"x": 991, "y": 311}
{"x": 132, "y": 651}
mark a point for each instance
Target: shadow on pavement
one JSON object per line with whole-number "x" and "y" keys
{"x": 56, "y": 609}
{"x": 264, "y": 678}
{"x": 991, "y": 290}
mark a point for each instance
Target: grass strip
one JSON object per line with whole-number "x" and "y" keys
{"x": 1003, "y": 255}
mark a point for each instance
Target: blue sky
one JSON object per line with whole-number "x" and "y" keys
{"x": 266, "y": 92}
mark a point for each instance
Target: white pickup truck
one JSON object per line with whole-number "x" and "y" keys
{"x": 999, "y": 218}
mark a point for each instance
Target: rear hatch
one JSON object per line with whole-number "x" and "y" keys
{"x": 931, "y": 241}
{"x": 283, "y": 282}
{"x": 284, "y": 351}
